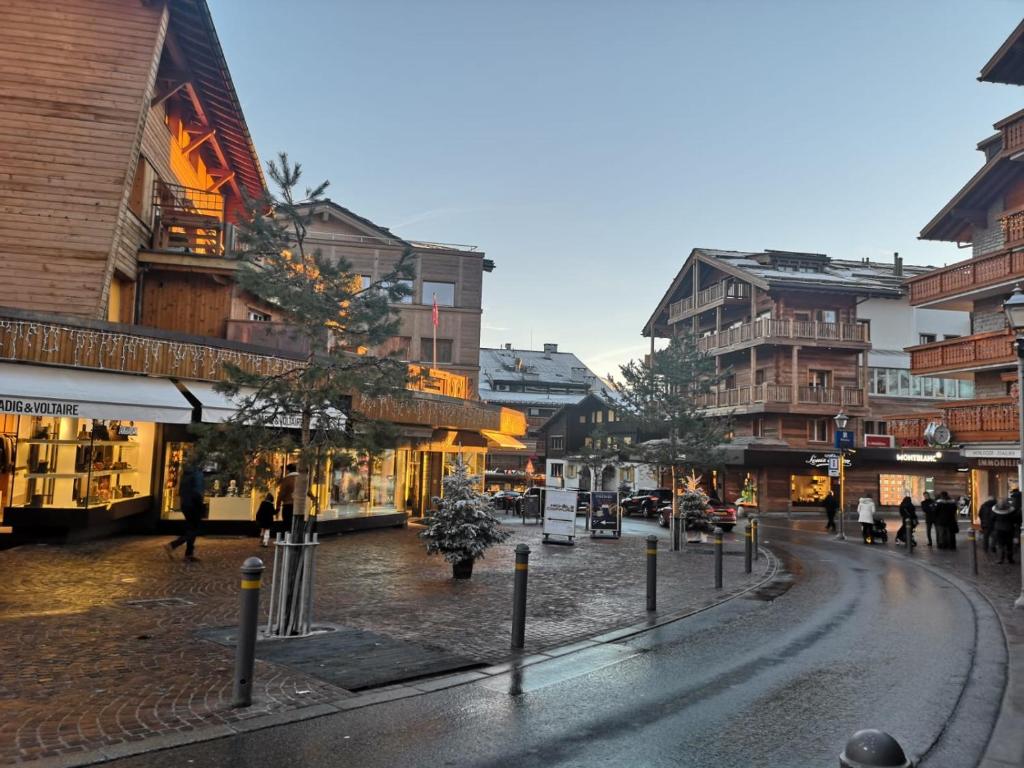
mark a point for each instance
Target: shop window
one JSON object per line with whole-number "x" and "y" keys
{"x": 808, "y": 489}
{"x": 444, "y": 350}
{"x": 443, "y": 292}
{"x": 892, "y": 488}
{"x": 817, "y": 430}
{"x": 557, "y": 442}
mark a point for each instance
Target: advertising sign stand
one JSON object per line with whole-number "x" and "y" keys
{"x": 605, "y": 516}
{"x": 559, "y": 515}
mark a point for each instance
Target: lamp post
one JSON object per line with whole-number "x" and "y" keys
{"x": 841, "y": 420}
{"x": 1014, "y": 309}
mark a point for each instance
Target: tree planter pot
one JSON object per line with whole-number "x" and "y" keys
{"x": 462, "y": 569}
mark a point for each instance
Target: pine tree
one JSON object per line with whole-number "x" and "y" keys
{"x": 331, "y": 315}
{"x": 463, "y": 527}
{"x": 664, "y": 397}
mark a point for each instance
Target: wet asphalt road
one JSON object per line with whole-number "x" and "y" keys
{"x": 847, "y": 637}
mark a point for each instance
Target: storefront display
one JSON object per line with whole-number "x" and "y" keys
{"x": 892, "y": 488}
{"x": 808, "y": 489}
{"x": 64, "y": 463}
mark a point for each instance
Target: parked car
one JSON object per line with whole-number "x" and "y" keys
{"x": 505, "y": 500}
{"x": 722, "y": 514}
{"x": 646, "y": 501}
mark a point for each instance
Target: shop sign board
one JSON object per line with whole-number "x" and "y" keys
{"x": 604, "y": 513}
{"x": 997, "y": 463}
{"x": 990, "y": 453}
{"x": 878, "y": 441}
{"x": 559, "y": 513}
{"x": 921, "y": 458}
{"x": 845, "y": 439}
{"x": 38, "y": 407}
{"x": 821, "y": 462}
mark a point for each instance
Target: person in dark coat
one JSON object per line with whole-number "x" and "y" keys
{"x": 193, "y": 507}
{"x": 986, "y": 519}
{"x": 945, "y": 522}
{"x": 1006, "y": 522}
{"x": 286, "y": 496}
{"x": 1015, "y": 500}
{"x": 831, "y": 507}
{"x": 928, "y": 508}
{"x": 265, "y": 515}
{"x": 908, "y": 514}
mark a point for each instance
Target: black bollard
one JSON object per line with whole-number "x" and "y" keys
{"x": 519, "y": 597}
{"x": 873, "y": 749}
{"x": 718, "y": 557}
{"x": 677, "y": 523}
{"x": 652, "y": 572}
{"x": 747, "y": 547}
{"x": 755, "y": 542}
{"x": 972, "y": 539}
{"x": 245, "y": 650}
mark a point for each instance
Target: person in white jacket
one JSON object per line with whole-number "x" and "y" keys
{"x": 866, "y": 516}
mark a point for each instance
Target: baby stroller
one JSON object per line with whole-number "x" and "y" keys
{"x": 879, "y": 533}
{"x": 901, "y": 534}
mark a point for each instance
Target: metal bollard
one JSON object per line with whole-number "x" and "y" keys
{"x": 747, "y": 547}
{"x": 755, "y": 542}
{"x": 972, "y": 539}
{"x": 873, "y": 748}
{"x": 718, "y": 557}
{"x": 652, "y": 572}
{"x": 678, "y": 522}
{"x": 245, "y": 649}
{"x": 519, "y": 597}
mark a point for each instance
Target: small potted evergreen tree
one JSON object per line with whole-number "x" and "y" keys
{"x": 462, "y": 528}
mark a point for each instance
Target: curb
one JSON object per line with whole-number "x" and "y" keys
{"x": 419, "y": 687}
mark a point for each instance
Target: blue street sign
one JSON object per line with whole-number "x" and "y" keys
{"x": 844, "y": 438}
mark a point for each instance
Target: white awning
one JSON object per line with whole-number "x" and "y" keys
{"x": 218, "y": 407}
{"x": 36, "y": 390}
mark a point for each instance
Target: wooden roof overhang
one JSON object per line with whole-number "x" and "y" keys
{"x": 1007, "y": 64}
{"x": 969, "y": 207}
{"x": 208, "y": 82}
{"x": 696, "y": 255}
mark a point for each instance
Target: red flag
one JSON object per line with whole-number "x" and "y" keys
{"x": 435, "y": 318}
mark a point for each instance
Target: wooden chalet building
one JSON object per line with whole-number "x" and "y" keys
{"x": 784, "y": 329}
{"x": 987, "y": 215}
{"x": 125, "y": 158}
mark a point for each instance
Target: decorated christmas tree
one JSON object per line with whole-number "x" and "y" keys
{"x": 463, "y": 527}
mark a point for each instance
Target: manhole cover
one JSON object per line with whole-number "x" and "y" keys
{"x": 159, "y": 602}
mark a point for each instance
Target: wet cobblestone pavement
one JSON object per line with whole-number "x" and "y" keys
{"x": 85, "y": 666}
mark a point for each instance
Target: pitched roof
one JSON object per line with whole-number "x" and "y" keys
{"x": 193, "y": 28}
{"x": 765, "y": 269}
{"x": 1007, "y": 63}
{"x": 953, "y": 222}
{"x": 537, "y": 368}
{"x": 373, "y": 229}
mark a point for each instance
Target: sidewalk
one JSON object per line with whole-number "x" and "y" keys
{"x": 103, "y": 642}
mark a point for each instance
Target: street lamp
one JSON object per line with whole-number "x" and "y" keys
{"x": 841, "y": 420}
{"x": 1014, "y": 309}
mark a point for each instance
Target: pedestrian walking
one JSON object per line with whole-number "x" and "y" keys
{"x": 866, "y": 516}
{"x": 193, "y": 507}
{"x": 1006, "y": 521}
{"x": 946, "y": 526}
{"x": 286, "y": 496}
{"x": 928, "y": 508}
{"x": 986, "y": 517}
{"x": 908, "y": 514}
{"x": 831, "y": 507}
{"x": 1015, "y": 499}
{"x": 265, "y": 515}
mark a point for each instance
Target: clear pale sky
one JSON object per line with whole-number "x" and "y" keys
{"x": 587, "y": 145}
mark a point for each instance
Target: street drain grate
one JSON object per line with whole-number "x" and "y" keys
{"x": 159, "y": 602}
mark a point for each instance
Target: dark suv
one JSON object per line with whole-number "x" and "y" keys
{"x": 646, "y": 501}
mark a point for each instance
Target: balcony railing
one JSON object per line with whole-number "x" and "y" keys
{"x": 967, "y": 276}
{"x": 782, "y": 394}
{"x": 280, "y": 337}
{"x": 785, "y": 330}
{"x": 187, "y": 219}
{"x": 908, "y": 431}
{"x": 438, "y": 382}
{"x": 1013, "y": 135}
{"x": 993, "y": 419}
{"x": 1012, "y": 224}
{"x": 727, "y": 289}
{"x": 981, "y": 349}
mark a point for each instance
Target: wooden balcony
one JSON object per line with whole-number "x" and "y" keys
{"x": 439, "y": 382}
{"x": 996, "y": 271}
{"x": 979, "y": 421}
{"x": 982, "y": 350}
{"x": 279, "y": 337}
{"x": 719, "y": 293}
{"x": 908, "y": 431}
{"x": 1013, "y": 133}
{"x": 853, "y": 335}
{"x": 187, "y": 220}
{"x": 762, "y": 397}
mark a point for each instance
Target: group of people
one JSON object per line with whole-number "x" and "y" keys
{"x": 192, "y": 500}
{"x": 1000, "y": 521}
